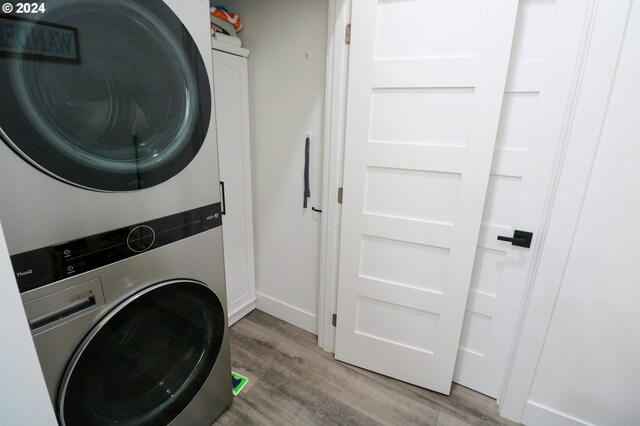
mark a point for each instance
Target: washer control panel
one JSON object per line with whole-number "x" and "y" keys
{"x": 141, "y": 238}
{"x": 46, "y": 265}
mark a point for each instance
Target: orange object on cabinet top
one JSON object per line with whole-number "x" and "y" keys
{"x": 225, "y": 15}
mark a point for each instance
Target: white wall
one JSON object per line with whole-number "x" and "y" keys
{"x": 23, "y": 394}
{"x": 286, "y": 102}
{"x": 589, "y": 371}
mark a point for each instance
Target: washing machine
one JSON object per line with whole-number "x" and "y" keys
{"x": 111, "y": 206}
{"x": 141, "y": 340}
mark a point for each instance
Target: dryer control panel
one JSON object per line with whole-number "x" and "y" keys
{"x": 37, "y": 268}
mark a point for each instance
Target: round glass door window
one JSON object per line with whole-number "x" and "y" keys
{"x": 110, "y": 95}
{"x": 147, "y": 360}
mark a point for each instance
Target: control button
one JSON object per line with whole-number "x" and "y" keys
{"x": 141, "y": 238}
{"x": 67, "y": 252}
{"x": 71, "y": 270}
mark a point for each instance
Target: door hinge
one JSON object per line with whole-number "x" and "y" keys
{"x": 340, "y": 195}
{"x": 334, "y": 319}
{"x": 347, "y": 34}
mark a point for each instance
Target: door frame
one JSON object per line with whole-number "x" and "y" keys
{"x": 334, "y": 130}
{"x": 570, "y": 177}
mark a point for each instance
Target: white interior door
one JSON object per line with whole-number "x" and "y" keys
{"x": 426, "y": 81}
{"x": 544, "y": 53}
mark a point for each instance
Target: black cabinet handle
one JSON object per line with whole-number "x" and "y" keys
{"x": 520, "y": 238}
{"x": 316, "y": 210}
{"x": 224, "y": 199}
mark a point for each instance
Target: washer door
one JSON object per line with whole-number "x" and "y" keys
{"x": 110, "y": 95}
{"x": 145, "y": 362}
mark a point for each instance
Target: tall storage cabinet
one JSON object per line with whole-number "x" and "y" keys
{"x": 231, "y": 89}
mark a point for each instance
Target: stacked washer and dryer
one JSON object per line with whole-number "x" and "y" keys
{"x": 111, "y": 207}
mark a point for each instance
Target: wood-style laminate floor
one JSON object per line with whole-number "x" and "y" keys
{"x": 294, "y": 382}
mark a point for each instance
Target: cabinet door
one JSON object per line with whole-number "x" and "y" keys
{"x": 232, "y": 120}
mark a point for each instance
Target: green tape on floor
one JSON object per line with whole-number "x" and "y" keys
{"x": 237, "y": 382}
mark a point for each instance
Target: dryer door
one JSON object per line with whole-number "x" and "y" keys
{"x": 146, "y": 361}
{"x": 111, "y": 95}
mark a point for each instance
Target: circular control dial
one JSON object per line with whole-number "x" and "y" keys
{"x": 141, "y": 238}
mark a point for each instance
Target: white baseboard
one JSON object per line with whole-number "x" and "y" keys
{"x": 288, "y": 313}
{"x": 242, "y": 309}
{"x": 538, "y": 415}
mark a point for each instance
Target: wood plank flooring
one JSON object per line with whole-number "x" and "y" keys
{"x": 292, "y": 381}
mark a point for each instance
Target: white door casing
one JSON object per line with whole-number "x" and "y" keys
{"x": 539, "y": 83}
{"x": 426, "y": 81}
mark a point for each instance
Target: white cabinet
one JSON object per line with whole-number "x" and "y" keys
{"x": 232, "y": 120}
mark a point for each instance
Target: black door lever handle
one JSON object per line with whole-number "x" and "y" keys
{"x": 520, "y": 238}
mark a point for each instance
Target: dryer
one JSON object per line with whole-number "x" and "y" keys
{"x": 106, "y": 116}
{"x": 111, "y": 207}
